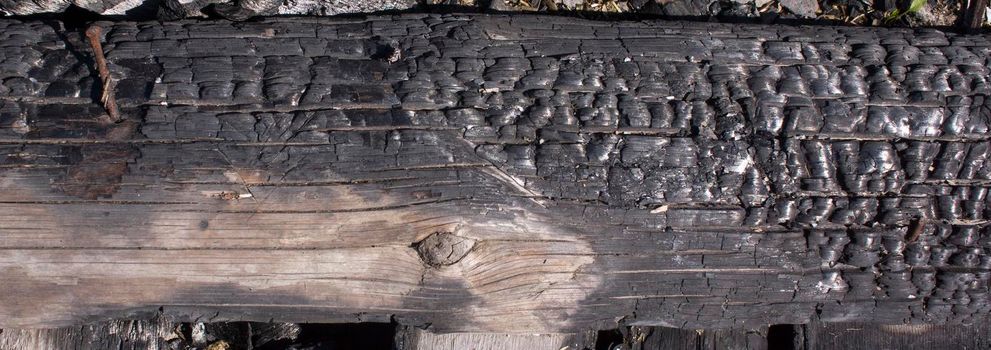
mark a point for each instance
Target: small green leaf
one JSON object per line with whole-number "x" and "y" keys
{"x": 916, "y": 6}
{"x": 892, "y": 16}
{"x": 896, "y": 14}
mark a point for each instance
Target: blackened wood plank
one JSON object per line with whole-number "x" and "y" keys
{"x": 478, "y": 173}
{"x": 656, "y": 338}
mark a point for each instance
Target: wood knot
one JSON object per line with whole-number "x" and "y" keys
{"x": 443, "y": 248}
{"x": 230, "y": 196}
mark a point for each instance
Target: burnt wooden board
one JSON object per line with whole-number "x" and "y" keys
{"x": 480, "y": 173}
{"x": 657, "y": 338}
{"x": 871, "y": 336}
{"x": 163, "y": 333}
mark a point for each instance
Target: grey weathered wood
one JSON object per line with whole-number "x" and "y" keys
{"x": 118, "y": 334}
{"x": 155, "y": 333}
{"x": 871, "y": 336}
{"x": 481, "y": 173}
{"x": 411, "y": 338}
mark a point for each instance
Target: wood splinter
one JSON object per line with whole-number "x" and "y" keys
{"x": 915, "y": 230}
{"x": 94, "y": 34}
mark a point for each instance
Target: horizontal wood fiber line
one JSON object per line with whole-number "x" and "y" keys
{"x": 489, "y": 173}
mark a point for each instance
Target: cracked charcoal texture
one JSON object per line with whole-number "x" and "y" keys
{"x": 691, "y": 175}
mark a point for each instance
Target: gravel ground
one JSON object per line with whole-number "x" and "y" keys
{"x": 935, "y": 13}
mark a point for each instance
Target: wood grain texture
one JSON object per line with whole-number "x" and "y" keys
{"x": 480, "y": 173}
{"x": 870, "y": 336}
{"x": 160, "y": 333}
{"x": 417, "y": 339}
{"x": 117, "y": 334}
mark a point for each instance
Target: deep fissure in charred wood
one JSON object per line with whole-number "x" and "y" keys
{"x": 338, "y": 336}
{"x": 610, "y": 339}
{"x": 785, "y": 337}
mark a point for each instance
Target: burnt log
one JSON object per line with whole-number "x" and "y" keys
{"x": 656, "y": 338}
{"x": 480, "y": 173}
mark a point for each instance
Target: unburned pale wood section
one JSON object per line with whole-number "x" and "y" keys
{"x": 868, "y": 336}
{"x": 415, "y": 339}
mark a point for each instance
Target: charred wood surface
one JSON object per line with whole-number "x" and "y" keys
{"x": 494, "y": 173}
{"x": 657, "y": 338}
